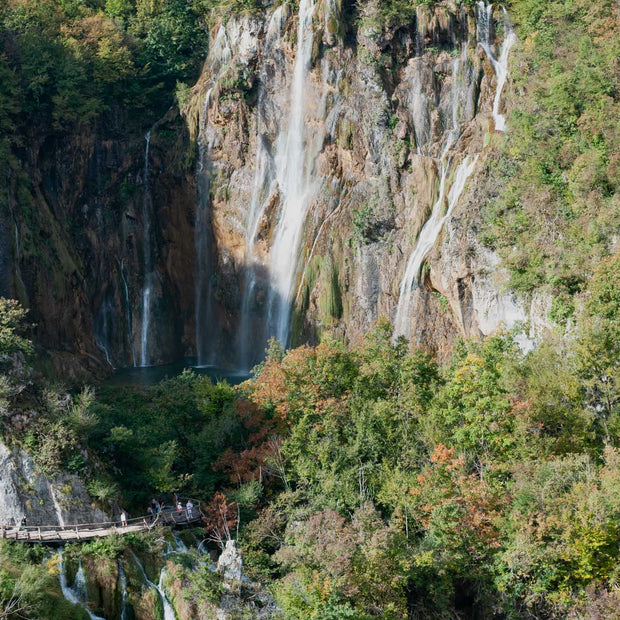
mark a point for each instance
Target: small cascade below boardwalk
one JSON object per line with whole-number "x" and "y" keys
{"x": 122, "y": 580}
{"x": 77, "y": 595}
{"x": 168, "y": 609}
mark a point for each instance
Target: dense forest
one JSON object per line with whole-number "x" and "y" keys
{"x": 365, "y": 479}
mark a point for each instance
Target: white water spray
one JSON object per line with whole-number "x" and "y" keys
{"x": 148, "y": 259}
{"x": 293, "y": 180}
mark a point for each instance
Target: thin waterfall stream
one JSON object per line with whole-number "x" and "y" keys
{"x": 168, "y": 609}
{"x": 500, "y": 65}
{"x": 148, "y": 258}
{"x": 128, "y": 313}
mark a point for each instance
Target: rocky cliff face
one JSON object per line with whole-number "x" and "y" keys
{"x": 324, "y": 173}
{"x": 396, "y": 125}
{"x": 24, "y": 491}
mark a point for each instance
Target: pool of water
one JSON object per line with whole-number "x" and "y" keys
{"x": 149, "y": 375}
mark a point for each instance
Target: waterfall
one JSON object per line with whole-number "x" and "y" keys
{"x": 201, "y": 237}
{"x": 293, "y": 181}
{"x": 500, "y": 66}
{"x": 262, "y": 190}
{"x": 420, "y": 31}
{"x": 128, "y": 313}
{"x": 433, "y": 226}
{"x": 57, "y": 507}
{"x": 148, "y": 259}
{"x": 427, "y": 238}
{"x": 104, "y": 327}
{"x": 76, "y": 595}
{"x": 220, "y": 57}
{"x": 122, "y": 581}
{"x": 168, "y": 609}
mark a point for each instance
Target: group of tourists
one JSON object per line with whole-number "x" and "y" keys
{"x": 156, "y": 508}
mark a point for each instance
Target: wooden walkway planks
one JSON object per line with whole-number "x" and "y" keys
{"x": 80, "y": 532}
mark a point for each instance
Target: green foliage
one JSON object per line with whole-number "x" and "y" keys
{"x": 407, "y": 488}
{"x": 12, "y": 327}
{"x": 556, "y": 211}
{"x": 164, "y": 438}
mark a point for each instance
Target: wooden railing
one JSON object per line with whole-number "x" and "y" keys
{"x": 85, "y": 531}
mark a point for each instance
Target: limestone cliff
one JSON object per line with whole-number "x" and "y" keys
{"x": 396, "y": 125}
{"x": 322, "y": 174}
{"x": 25, "y": 491}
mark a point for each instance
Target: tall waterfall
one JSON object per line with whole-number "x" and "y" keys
{"x": 263, "y": 181}
{"x": 251, "y": 336}
{"x": 462, "y": 89}
{"x": 220, "y": 57}
{"x": 202, "y": 232}
{"x": 148, "y": 259}
{"x": 293, "y": 180}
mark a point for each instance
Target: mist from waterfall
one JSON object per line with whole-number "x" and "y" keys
{"x": 147, "y": 258}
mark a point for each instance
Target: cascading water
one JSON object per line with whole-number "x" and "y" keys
{"x": 428, "y": 237}
{"x": 148, "y": 259}
{"x": 292, "y": 174}
{"x": 168, "y": 609}
{"x": 122, "y": 581}
{"x": 57, "y": 507}
{"x": 103, "y": 328}
{"x": 263, "y": 187}
{"x": 78, "y": 594}
{"x": 128, "y": 313}
{"x": 201, "y": 238}
{"x": 500, "y": 66}
{"x": 433, "y": 226}
{"x": 251, "y": 335}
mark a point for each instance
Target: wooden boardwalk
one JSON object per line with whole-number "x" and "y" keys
{"x": 170, "y": 517}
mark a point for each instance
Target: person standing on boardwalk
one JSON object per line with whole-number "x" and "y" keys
{"x": 123, "y": 518}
